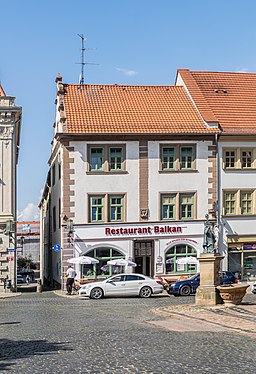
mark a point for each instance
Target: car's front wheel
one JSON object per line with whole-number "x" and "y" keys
{"x": 145, "y": 292}
{"x": 185, "y": 290}
{"x": 96, "y": 293}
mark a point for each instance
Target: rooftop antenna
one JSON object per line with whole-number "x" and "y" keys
{"x": 83, "y": 63}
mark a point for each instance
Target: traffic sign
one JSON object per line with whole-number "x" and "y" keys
{"x": 56, "y": 248}
{"x": 11, "y": 249}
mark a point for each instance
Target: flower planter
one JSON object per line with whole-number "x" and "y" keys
{"x": 232, "y": 294}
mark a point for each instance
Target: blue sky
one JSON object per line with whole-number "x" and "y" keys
{"x": 137, "y": 42}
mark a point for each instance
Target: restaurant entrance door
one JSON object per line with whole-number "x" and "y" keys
{"x": 144, "y": 257}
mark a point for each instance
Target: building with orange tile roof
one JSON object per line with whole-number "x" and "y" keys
{"x": 113, "y": 109}
{"x": 229, "y": 99}
{"x": 131, "y": 175}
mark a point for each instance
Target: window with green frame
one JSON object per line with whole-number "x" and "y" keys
{"x": 177, "y": 206}
{"x": 103, "y": 254}
{"x": 116, "y": 158}
{"x": 168, "y": 207}
{"x": 168, "y": 158}
{"x": 96, "y": 208}
{"x": 96, "y": 158}
{"x": 177, "y": 157}
{"x": 176, "y": 252}
{"x": 230, "y": 202}
{"x": 239, "y": 202}
{"x": 186, "y": 157}
{"x": 186, "y": 206}
{"x": 116, "y": 208}
{"x": 246, "y": 202}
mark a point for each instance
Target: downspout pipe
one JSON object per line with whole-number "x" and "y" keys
{"x": 218, "y": 186}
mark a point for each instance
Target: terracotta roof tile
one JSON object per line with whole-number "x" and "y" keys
{"x": 2, "y": 93}
{"x": 230, "y": 96}
{"x": 131, "y": 109}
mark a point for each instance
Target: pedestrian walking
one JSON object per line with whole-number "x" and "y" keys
{"x": 27, "y": 279}
{"x": 70, "y": 279}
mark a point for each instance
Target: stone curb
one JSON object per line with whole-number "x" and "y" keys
{"x": 8, "y": 295}
{"x": 63, "y": 294}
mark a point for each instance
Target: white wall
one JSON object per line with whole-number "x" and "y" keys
{"x": 121, "y": 183}
{"x": 180, "y": 181}
{"x": 237, "y": 179}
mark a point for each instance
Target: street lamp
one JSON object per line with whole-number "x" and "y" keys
{"x": 70, "y": 228}
{"x": 9, "y": 226}
{"x": 9, "y": 230}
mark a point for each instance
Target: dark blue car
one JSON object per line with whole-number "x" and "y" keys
{"x": 189, "y": 286}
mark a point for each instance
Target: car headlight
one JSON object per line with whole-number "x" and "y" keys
{"x": 84, "y": 287}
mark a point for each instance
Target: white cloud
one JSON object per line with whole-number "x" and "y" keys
{"x": 30, "y": 213}
{"x": 128, "y": 72}
{"x": 242, "y": 70}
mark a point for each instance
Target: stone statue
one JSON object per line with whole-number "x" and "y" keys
{"x": 209, "y": 237}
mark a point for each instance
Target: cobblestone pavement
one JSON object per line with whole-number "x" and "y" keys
{"x": 45, "y": 333}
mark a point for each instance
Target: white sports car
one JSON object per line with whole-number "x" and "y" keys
{"x": 122, "y": 285}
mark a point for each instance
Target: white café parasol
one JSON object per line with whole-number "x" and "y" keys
{"x": 83, "y": 260}
{"x": 121, "y": 262}
{"x": 190, "y": 260}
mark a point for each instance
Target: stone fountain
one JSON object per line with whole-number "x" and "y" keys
{"x": 210, "y": 292}
{"x": 232, "y": 294}
{"x": 207, "y": 293}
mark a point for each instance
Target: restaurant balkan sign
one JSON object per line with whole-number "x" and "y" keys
{"x": 142, "y": 230}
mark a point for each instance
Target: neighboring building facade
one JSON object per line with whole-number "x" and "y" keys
{"x": 28, "y": 240}
{"x": 10, "y": 123}
{"x": 132, "y": 175}
{"x": 229, "y": 99}
{"x": 46, "y": 274}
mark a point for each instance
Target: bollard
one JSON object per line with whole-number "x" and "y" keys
{"x": 8, "y": 283}
{"x": 39, "y": 286}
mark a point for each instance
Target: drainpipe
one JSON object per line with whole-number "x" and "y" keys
{"x": 219, "y": 197}
{"x": 218, "y": 181}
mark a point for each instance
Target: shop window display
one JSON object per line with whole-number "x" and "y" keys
{"x": 103, "y": 254}
{"x": 176, "y": 252}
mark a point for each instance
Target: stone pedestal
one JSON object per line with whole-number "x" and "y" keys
{"x": 207, "y": 293}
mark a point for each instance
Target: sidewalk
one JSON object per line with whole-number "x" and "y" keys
{"x": 183, "y": 318}
{"x": 4, "y": 295}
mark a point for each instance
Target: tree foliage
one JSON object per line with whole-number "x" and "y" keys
{"x": 25, "y": 262}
